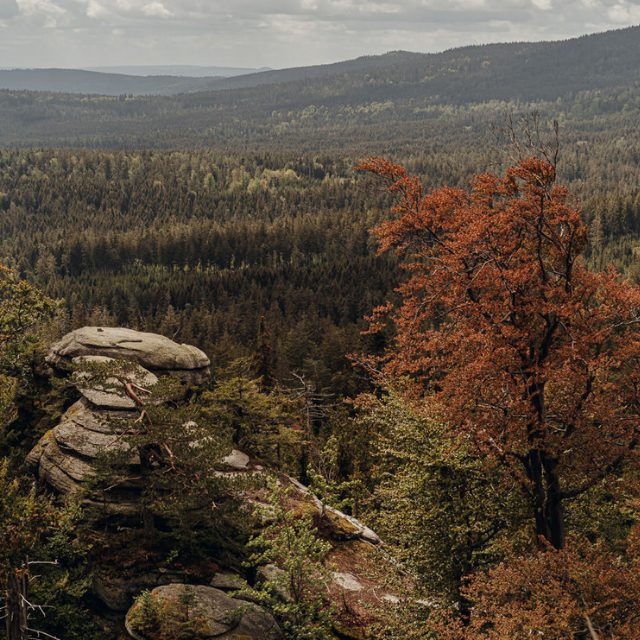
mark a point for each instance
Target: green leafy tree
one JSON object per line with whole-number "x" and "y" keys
{"x": 178, "y": 445}
{"x": 163, "y": 619}
{"x": 442, "y": 510}
{"x": 23, "y": 312}
{"x": 296, "y": 592}
{"x": 258, "y": 422}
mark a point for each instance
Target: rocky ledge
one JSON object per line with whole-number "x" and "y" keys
{"x": 154, "y": 352}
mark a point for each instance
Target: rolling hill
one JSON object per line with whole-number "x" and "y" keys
{"x": 369, "y": 104}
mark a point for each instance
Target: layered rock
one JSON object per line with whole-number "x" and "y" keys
{"x": 154, "y": 352}
{"x": 65, "y": 457}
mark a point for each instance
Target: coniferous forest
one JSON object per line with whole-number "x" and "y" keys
{"x": 402, "y": 272}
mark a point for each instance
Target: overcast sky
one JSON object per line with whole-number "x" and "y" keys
{"x": 280, "y": 33}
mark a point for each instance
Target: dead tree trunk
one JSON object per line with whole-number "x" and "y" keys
{"x": 16, "y": 604}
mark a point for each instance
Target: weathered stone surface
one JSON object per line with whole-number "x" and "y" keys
{"x": 347, "y": 581}
{"x": 236, "y": 460}
{"x": 32, "y": 461}
{"x": 72, "y": 438}
{"x": 56, "y": 478}
{"x": 77, "y": 468}
{"x": 226, "y": 618}
{"x": 357, "y": 529}
{"x": 120, "y": 507}
{"x": 149, "y": 350}
{"x": 227, "y": 581}
{"x": 86, "y": 415}
{"x": 65, "y": 456}
{"x": 112, "y": 395}
{"x": 276, "y": 577}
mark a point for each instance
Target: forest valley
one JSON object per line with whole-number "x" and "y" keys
{"x": 465, "y": 380}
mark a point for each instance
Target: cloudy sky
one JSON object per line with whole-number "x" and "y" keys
{"x": 280, "y": 33}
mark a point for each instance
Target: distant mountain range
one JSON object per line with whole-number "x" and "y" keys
{"x": 381, "y": 98}
{"x": 106, "y": 83}
{"x": 183, "y": 70}
{"x": 528, "y": 71}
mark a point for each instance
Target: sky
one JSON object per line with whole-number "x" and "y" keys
{"x": 280, "y": 33}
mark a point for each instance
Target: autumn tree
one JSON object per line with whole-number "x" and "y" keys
{"x": 508, "y": 337}
{"x": 582, "y": 591}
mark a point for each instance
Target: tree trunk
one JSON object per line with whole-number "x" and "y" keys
{"x": 148, "y": 523}
{"x": 548, "y": 507}
{"x": 16, "y": 605}
{"x": 553, "y": 507}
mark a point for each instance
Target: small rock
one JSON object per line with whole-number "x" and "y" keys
{"x": 227, "y": 581}
{"x": 389, "y": 598}
{"x": 236, "y": 460}
{"x": 276, "y": 577}
{"x": 348, "y": 581}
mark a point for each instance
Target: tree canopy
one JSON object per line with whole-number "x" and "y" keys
{"x": 510, "y": 338}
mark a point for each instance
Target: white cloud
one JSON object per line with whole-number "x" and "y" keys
{"x": 96, "y": 10}
{"x": 544, "y": 5}
{"x": 156, "y": 10}
{"x": 8, "y": 9}
{"x": 31, "y": 7}
{"x": 624, "y": 13}
{"x": 281, "y": 33}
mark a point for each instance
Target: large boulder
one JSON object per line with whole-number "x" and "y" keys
{"x": 154, "y": 352}
{"x": 219, "y": 615}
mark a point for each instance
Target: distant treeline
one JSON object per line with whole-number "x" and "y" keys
{"x": 202, "y": 245}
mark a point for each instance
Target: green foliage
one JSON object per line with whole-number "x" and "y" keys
{"x": 24, "y": 314}
{"x": 325, "y": 482}
{"x": 178, "y": 444}
{"x": 442, "y": 511}
{"x": 22, "y": 306}
{"x": 163, "y": 619}
{"x": 258, "y": 421}
{"x": 296, "y": 591}
{"x": 38, "y": 543}
{"x": 8, "y": 411}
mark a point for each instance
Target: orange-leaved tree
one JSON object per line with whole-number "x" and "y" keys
{"x": 531, "y": 357}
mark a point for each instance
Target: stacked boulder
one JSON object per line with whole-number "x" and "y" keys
{"x": 65, "y": 456}
{"x": 155, "y": 353}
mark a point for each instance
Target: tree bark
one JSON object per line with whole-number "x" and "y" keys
{"x": 17, "y": 592}
{"x": 548, "y": 506}
{"x": 148, "y": 522}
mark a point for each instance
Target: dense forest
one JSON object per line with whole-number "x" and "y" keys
{"x": 244, "y": 221}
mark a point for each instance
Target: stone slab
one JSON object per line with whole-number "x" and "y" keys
{"x": 150, "y": 350}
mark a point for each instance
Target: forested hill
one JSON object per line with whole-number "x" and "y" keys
{"x": 95, "y": 82}
{"x": 369, "y": 104}
{"x": 522, "y": 71}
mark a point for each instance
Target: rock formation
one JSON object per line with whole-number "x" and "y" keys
{"x": 151, "y": 351}
{"x": 219, "y": 615}
{"x": 65, "y": 456}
